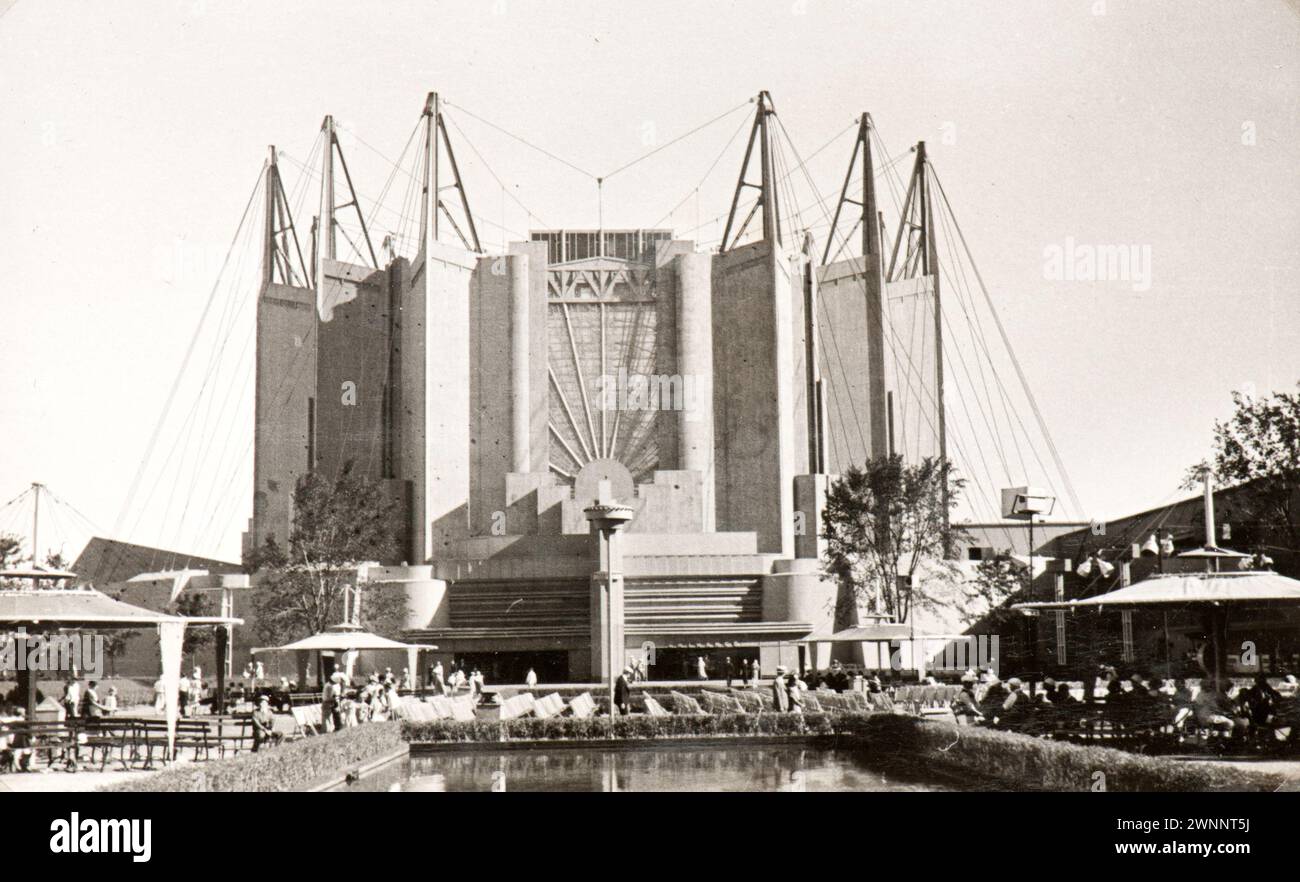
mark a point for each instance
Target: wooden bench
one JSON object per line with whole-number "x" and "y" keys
{"x": 103, "y": 735}
{"x": 51, "y": 737}
{"x": 234, "y": 733}
{"x": 152, "y": 734}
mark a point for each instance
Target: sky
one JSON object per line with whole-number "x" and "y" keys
{"x": 133, "y": 135}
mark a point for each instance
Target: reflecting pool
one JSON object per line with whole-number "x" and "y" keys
{"x": 755, "y": 768}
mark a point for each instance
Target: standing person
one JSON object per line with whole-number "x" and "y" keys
{"x": 795, "y": 686}
{"x": 780, "y": 691}
{"x": 702, "y": 670}
{"x": 531, "y": 680}
{"x": 259, "y": 673}
{"x": 93, "y": 706}
{"x": 183, "y": 694}
{"x": 757, "y": 672}
{"x": 730, "y": 671}
{"x": 439, "y": 681}
{"x": 110, "y": 701}
{"x": 330, "y": 714}
{"x": 623, "y": 692}
{"x": 263, "y": 723}
{"x": 72, "y": 698}
{"x": 159, "y": 695}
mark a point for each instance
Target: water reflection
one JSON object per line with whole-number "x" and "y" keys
{"x": 792, "y": 769}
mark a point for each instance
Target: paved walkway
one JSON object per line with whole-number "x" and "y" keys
{"x": 63, "y": 782}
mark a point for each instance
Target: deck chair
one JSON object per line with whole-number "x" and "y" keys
{"x": 304, "y": 721}
{"x": 462, "y": 709}
{"x": 684, "y": 704}
{"x": 583, "y": 706}
{"x": 518, "y": 706}
{"x": 654, "y": 708}
{"x": 550, "y": 706}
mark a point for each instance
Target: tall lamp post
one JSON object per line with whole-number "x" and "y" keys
{"x": 1022, "y": 504}
{"x": 607, "y": 519}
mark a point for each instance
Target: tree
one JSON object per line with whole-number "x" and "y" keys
{"x": 11, "y": 549}
{"x": 337, "y": 524}
{"x": 882, "y": 521}
{"x": 193, "y": 605}
{"x": 998, "y": 580}
{"x": 1258, "y": 449}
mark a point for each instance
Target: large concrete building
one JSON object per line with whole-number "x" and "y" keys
{"x": 497, "y": 396}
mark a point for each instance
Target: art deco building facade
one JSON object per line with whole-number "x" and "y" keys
{"x": 494, "y": 396}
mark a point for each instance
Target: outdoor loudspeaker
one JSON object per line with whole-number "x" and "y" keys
{"x": 1023, "y": 503}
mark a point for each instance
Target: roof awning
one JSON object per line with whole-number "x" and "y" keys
{"x": 343, "y": 639}
{"x": 880, "y": 632}
{"x": 74, "y": 607}
{"x": 1188, "y": 588}
{"x": 36, "y": 572}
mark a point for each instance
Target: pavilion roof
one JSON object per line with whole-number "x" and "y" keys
{"x": 71, "y": 607}
{"x": 1187, "y": 588}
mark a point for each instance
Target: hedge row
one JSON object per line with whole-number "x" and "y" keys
{"x": 1027, "y": 761}
{"x": 631, "y": 728}
{"x": 293, "y": 766}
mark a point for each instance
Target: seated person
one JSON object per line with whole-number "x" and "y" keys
{"x": 994, "y": 696}
{"x": 1214, "y": 710}
{"x": 12, "y": 757}
{"x": 964, "y": 706}
{"x": 1145, "y": 707}
{"x": 1017, "y": 711}
{"x": 1259, "y": 703}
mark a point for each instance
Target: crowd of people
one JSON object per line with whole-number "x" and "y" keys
{"x": 1132, "y": 705}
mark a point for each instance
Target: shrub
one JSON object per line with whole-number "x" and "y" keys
{"x": 292, "y": 766}
{"x": 685, "y": 704}
{"x": 721, "y": 703}
{"x": 754, "y": 702}
{"x": 1024, "y": 760}
{"x": 628, "y": 728}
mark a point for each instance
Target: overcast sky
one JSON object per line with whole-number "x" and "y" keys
{"x": 133, "y": 134}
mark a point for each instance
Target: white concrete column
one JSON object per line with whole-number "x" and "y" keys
{"x": 695, "y": 364}
{"x": 519, "y": 397}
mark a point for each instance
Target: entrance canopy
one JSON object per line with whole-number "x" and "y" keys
{"x": 1188, "y": 588}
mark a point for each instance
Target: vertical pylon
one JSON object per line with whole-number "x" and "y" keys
{"x": 868, "y": 221}
{"x": 279, "y": 232}
{"x": 767, "y": 200}
{"x": 919, "y": 246}
{"x": 432, "y": 208}
{"x": 329, "y": 227}
{"x": 812, "y": 357}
